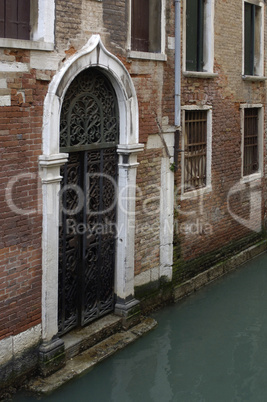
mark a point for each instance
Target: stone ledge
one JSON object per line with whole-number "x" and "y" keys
{"x": 218, "y": 270}
{"x": 79, "y": 340}
{"x": 26, "y": 44}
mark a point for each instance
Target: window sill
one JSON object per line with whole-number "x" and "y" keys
{"x": 26, "y": 44}
{"x": 251, "y": 177}
{"x": 254, "y": 78}
{"x": 147, "y": 56}
{"x": 196, "y": 193}
{"x": 199, "y": 74}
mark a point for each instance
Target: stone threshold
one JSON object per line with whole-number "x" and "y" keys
{"x": 84, "y": 361}
{"x": 81, "y": 339}
{"x": 219, "y": 270}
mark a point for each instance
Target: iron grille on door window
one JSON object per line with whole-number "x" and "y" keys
{"x": 15, "y": 19}
{"x": 250, "y": 158}
{"x": 195, "y": 149}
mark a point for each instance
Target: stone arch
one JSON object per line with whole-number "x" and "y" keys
{"x": 93, "y": 54}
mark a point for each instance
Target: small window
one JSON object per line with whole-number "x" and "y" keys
{"x": 253, "y": 52}
{"x": 199, "y": 36}
{"x": 27, "y": 24}
{"x": 194, "y": 35}
{"x": 195, "y": 149}
{"x": 15, "y": 19}
{"x": 251, "y": 141}
{"x": 146, "y": 25}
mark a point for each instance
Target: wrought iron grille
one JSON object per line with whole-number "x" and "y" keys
{"x": 250, "y": 157}
{"x": 69, "y": 247}
{"x": 89, "y": 132}
{"x": 89, "y": 115}
{"x": 195, "y": 148}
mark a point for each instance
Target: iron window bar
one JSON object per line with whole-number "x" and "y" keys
{"x": 250, "y": 160}
{"x": 195, "y": 149}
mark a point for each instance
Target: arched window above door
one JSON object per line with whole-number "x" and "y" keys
{"x": 89, "y": 114}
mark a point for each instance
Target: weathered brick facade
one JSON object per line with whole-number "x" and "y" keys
{"x": 26, "y": 76}
{"x": 225, "y": 93}
{"x": 21, "y": 141}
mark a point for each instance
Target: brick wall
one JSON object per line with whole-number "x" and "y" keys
{"x": 68, "y": 23}
{"x": 20, "y": 242}
{"x": 154, "y": 83}
{"x": 147, "y": 234}
{"x": 115, "y": 17}
{"x": 224, "y": 93}
{"x": 22, "y": 95}
{"x": 21, "y": 98}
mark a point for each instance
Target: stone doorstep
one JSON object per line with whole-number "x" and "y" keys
{"x": 81, "y": 339}
{"x": 86, "y": 360}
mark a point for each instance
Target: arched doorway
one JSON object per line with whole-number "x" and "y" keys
{"x": 92, "y": 55}
{"x": 89, "y": 132}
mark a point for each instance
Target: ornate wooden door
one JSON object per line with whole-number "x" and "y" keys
{"x": 89, "y": 133}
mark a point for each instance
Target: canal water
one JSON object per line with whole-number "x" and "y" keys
{"x": 212, "y": 347}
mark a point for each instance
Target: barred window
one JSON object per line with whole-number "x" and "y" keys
{"x": 15, "y": 19}
{"x": 195, "y": 149}
{"x": 251, "y": 154}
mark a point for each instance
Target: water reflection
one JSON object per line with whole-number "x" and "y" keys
{"x": 211, "y": 347}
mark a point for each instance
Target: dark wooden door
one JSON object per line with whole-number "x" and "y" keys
{"x": 89, "y": 132}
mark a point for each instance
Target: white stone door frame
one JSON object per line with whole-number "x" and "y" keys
{"x": 93, "y": 54}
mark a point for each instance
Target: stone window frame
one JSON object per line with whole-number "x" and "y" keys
{"x": 208, "y": 187}
{"x": 259, "y": 68}
{"x": 42, "y": 28}
{"x": 259, "y": 174}
{"x": 208, "y": 43}
{"x": 133, "y": 54}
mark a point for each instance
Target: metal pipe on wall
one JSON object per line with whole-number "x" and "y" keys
{"x": 177, "y": 67}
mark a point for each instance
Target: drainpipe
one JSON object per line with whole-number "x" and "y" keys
{"x": 177, "y": 63}
{"x": 177, "y": 67}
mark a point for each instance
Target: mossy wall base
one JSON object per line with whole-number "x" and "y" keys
{"x": 192, "y": 275}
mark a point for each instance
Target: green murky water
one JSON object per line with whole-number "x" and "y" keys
{"x": 212, "y": 347}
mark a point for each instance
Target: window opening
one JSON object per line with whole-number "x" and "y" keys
{"x": 146, "y": 25}
{"x": 194, "y": 35}
{"x": 252, "y": 40}
{"x": 251, "y": 160}
{"x": 15, "y": 19}
{"x": 195, "y": 149}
